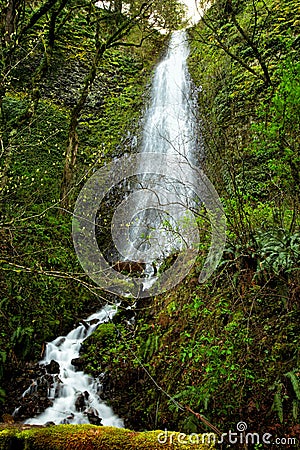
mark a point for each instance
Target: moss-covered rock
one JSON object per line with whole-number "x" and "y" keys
{"x": 90, "y": 437}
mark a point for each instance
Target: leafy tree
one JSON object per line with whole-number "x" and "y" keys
{"x": 32, "y": 31}
{"x": 224, "y": 30}
{"x": 112, "y": 28}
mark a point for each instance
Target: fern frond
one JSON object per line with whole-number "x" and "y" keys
{"x": 277, "y": 406}
{"x": 2, "y": 395}
{"x": 295, "y": 383}
{"x": 295, "y": 409}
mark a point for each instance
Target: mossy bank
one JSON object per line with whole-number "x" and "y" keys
{"x": 89, "y": 437}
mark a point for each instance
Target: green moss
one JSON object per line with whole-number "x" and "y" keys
{"x": 89, "y": 437}
{"x": 104, "y": 336}
{"x": 6, "y": 437}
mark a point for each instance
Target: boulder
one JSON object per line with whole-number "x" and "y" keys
{"x": 80, "y": 402}
{"x": 52, "y": 367}
{"x": 93, "y": 416}
{"x": 78, "y": 362}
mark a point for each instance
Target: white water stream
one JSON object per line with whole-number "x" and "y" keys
{"x": 170, "y": 122}
{"x": 71, "y": 384}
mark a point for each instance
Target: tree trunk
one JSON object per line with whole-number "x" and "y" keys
{"x": 70, "y": 161}
{"x": 11, "y": 19}
{"x": 72, "y": 146}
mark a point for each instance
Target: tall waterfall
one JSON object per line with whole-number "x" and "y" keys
{"x": 170, "y": 123}
{"x": 169, "y": 128}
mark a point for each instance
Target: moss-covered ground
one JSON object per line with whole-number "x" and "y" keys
{"x": 89, "y": 437}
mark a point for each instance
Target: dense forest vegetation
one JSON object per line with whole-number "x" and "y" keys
{"x": 74, "y": 84}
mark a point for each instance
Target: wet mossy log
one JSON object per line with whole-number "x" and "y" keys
{"x": 90, "y": 437}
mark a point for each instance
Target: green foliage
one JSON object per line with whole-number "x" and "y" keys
{"x": 278, "y": 251}
{"x": 41, "y": 292}
{"x": 294, "y": 377}
{"x": 278, "y": 406}
{"x": 226, "y": 342}
{"x": 106, "y": 347}
{"x": 276, "y": 133}
{"x": 3, "y": 357}
{"x": 104, "y": 336}
{"x": 23, "y": 337}
{"x": 150, "y": 347}
{"x": 216, "y": 347}
{"x": 2, "y": 362}
{"x": 280, "y": 396}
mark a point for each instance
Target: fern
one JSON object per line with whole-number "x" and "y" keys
{"x": 2, "y": 356}
{"x": 23, "y": 336}
{"x": 278, "y": 250}
{"x": 206, "y": 401}
{"x": 151, "y": 346}
{"x": 193, "y": 396}
{"x": 295, "y": 383}
{"x": 2, "y": 395}
{"x": 277, "y": 406}
{"x": 2, "y": 360}
{"x": 295, "y": 409}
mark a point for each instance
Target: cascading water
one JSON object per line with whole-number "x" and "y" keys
{"x": 74, "y": 394}
{"x": 169, "y": 128}
{"x": 170, "y": 123}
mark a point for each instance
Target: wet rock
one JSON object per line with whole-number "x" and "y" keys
{"x": 31, "y": 405}
{"x": 78, "y": 362}
{"x": 80, "y": 402}
{"x": 49, "y": 424}
{"x": 93, "y": 322}
{"x": 85, "y": 324}
{"x": 93, "y": 416}
{"x": 34, "y": 398}
{"x": 123, "y": 315}
{"x": 60, "y": 340}
{"x": 106, "y": 385}
{"x": 52, "y": 367}
{"x": 8, "y": 418}
{"x": 64, "y": 422}
{"x": 130, "y": 267}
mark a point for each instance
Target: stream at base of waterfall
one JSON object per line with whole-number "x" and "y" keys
{"x": 75, "y": 395}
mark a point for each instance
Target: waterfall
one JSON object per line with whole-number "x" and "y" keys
{"x": 169, "y": 129}
{"x": 169, "y": 125}
{"x": 75, "y": 394}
